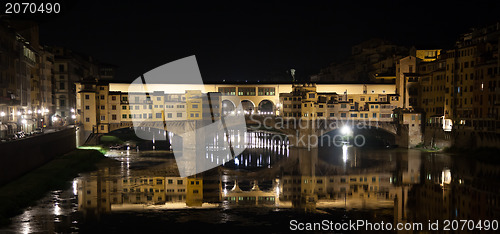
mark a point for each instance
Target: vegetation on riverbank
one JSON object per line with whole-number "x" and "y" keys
{"x": 26, "y": 190}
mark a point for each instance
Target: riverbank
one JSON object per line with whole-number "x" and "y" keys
{"x": 24, "y": 191}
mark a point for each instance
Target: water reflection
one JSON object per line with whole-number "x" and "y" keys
{"x": 345, "y": 183}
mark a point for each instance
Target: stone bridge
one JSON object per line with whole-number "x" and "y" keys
{"x": 306, "y": 133}
{"x": 301, "y": 133}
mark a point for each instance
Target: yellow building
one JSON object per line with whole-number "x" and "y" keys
{"x": 194, "y": 192}
{"x": 306, "y": 103}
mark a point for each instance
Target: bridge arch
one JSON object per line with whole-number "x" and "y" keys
{"x": 266, "y": 106}
{"x": 228, "y": 106}
{"x": 369, "y": 134}
{"x": 248, "y": 106}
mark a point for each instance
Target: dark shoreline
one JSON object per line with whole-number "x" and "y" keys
{"x": 26, "y": 190}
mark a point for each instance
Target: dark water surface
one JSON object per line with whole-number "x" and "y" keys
{"x": 269, "y": 186}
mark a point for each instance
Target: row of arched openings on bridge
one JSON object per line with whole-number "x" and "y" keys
{"x": 265, "y": 107}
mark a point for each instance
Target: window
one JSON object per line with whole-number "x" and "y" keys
{"x": 332, "y": 114}
{"x": 61, "y": 85}
{"x": 103, "y": 117}
{"x": 113, "y": 107}
{"x": 61, "y": 67}
{"x": 179, "y": 115}
{"x": 374, "y": 115}
{"x": 150, "y": 116}
{"x": 179, "y": 181}
{"x": 103, "y": 107}
{"x": 113, "y": 98}
{"x": 158, "y": 115}
{"x": 102, "y": 127}
{"x": 125, "y": 99}
{"x": 87, "y": 96}
{"x": 87, "y": 107}
{"x": 158, "y": 98}
{"x": 194, "y": 106}
{"x": 87, "y": 119}
{"x": 312, "y": 95}
{"x": 62, "y": 102}
{"x": 343, "y": 115}
{"x": 228, "y": 91}
{"x": 113, "y": 117}
{"x": 249, "y": 91}
{"x": 354, "y": 115}
{"x": 124, "y": 107}
{"x": 169, "y": 115}
{"x": 102, "y": 97}
{"x": 263, "y": 91}
{"x": 124, "y": 116}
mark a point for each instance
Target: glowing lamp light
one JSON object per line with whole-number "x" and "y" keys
{"x": 29, "y": 112}
{"x": 2, "y": 114}
{"x": 72, "y": 110}
{"x": 24, "y": 121}
{"x": 39, "y": 111}
{"x": 19, "y": 113}
{"x": 346, "y": 130}
{"x": 73, "y": 116}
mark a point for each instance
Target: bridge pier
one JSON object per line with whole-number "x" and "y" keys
{"x": 304, "y": 138}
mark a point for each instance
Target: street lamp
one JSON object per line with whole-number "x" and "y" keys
{"x": 346, "y": 130}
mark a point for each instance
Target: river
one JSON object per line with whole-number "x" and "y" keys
{"x": 271, "y": 187}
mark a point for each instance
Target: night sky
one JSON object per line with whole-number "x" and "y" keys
{"x": 245, "y": 40}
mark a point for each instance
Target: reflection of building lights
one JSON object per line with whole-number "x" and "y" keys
{"x": 344, "y": 153}
{"x": 57, "y": 209}
{"x": 19, "y": 113}
{"x": 75, "y": 187}
{"x": 2, "y": 114}
{"x": 73, "y": 116}
{"x": 29, "y": 112}
{"x": 446, "y": 177}
{"x": 24, "y": 121}
{"x": 72, "y": 110}
{"x": 39, "y": 111}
